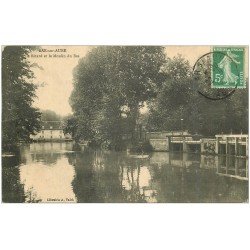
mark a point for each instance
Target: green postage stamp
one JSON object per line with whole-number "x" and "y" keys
{"x": 228, "y": 67}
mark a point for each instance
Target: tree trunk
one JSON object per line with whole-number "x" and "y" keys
{"x": 134, "y": 112}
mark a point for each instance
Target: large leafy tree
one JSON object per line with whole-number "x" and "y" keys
{"x": 110, "y": 86}
{"x": 178, "y": 104}
{"x": 19, "y": 118}
{"x": 173, "y": 98}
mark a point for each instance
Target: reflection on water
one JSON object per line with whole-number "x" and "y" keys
{"x": 54, "y": 172}
{"x": 48, "y": 182}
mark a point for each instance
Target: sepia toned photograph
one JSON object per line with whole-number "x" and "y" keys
{"x": 125, "y": 124}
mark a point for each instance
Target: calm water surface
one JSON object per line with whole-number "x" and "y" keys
{"x": 57, "y": 172}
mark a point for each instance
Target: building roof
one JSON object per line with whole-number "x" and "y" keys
{"x": 51, "y": 125}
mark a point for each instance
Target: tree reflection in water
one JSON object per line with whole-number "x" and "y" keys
{"x": 115, "y": 177}
{"x": 44, "y": 171}
{"x": 12, "y": 188}
{"x": 109, "y": 177}
{"x": 193, "y": 178}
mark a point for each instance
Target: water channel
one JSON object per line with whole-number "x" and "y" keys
{"x": 57, "y": 172}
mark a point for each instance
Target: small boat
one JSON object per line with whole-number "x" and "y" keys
{"x": 7, "y": 155}
{"x": 139, "y": 156}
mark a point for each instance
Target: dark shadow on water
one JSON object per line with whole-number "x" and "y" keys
{"x": 12, "y": 188}
{"x": 106, "y": 176}
{"x": 99, "y": 177}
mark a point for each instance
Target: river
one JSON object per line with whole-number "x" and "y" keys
{"x": 57, "y": 172}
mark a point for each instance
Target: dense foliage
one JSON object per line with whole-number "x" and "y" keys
{"x": 49, "y": 115}
{"x": 19, "y": 118}
{"x": 179, "y": 99}
{"x": 112, "y": 84}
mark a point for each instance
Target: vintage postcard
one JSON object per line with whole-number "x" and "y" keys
{"x": 125, "y": 124}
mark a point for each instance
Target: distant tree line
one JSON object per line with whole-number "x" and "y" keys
{"x": 112, "y": 84}
{"x": 49, "y": 115}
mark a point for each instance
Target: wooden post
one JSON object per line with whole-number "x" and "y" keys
{"x": 202, "y": 146}
{"x": 236, "y": 166}
{"x": 236, "y": 146}
{"x": 247, "y": 146}
{"x": 227, "y": 165}
{"x": 217, "y": 163}
{"x": 202, "y": 162}
{"x": 227, "y": 149}
{"x": 239, "y": 148}
{"x": 247, "y": 167}
{"x": 217, "y": 145}
{"x": 169, "y": 144}
{"x": 184, "y": 160}
{"x": 184, "y": 149}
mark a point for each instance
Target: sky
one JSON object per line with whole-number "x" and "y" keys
{"x": 55, "y": 77}
{"x": 54, "y": 74}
